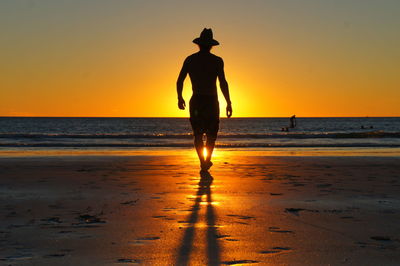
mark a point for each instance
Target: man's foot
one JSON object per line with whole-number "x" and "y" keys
{"x": 205, "y": 178}
{"x": 206, "y": 166}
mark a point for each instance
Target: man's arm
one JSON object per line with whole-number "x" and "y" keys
{"x": 179, "y": 86}
{"x": 225, "y": 89}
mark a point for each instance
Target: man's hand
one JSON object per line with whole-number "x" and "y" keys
{"x": 181, "y": 103}
{"x": 229, "y": 110}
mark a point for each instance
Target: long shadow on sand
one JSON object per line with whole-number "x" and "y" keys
{"x": 213, "y": 250}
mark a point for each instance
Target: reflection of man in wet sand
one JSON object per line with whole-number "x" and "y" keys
{"x": 204, "y": 68}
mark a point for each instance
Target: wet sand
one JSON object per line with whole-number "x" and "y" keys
{"x": 156, "y": 210}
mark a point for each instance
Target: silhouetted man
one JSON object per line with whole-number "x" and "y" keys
{"x": 204, "y": 68}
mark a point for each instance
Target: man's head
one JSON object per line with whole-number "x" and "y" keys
{"x": 206, "y": 39}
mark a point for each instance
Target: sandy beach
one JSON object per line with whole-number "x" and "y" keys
{"x": 157, "y": 210}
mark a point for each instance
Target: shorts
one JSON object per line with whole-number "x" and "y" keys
{"x": 204, "y": 114}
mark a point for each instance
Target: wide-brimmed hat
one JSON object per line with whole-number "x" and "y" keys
{"x": 206, "y": 38}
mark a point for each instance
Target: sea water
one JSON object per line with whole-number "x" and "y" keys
{"x": 235, "y": 133}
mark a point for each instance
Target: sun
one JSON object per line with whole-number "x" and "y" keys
{"x": 205, "y": 152}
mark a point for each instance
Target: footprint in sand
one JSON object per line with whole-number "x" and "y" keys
{"x": 294, "y": 211}
{"x": 381, "y": 238}
{"x": 168, "y": 209}
{"x": 124, "y": 260}
{"x": 323, "y": 185}
{"x": 51, "y": 220}
{"x": 234, "y": 262}
{"x": 298, "y": 184}
{"x": 275, "y": 250}
{"x": 88, "y": 221}
{"x": 242, "y": 217}
{"x": 148, "y": 238}
{"x": 55, "y": 255}
{"x": 266, "y": 179}
{"x": 275, "y": 229}
{"x": 130, "y": 202}
{"x": 159, "y": 216}
{"x": 17, "y": 257}
{"x": 370, "y": 245}
{"x": 144, "y": 240}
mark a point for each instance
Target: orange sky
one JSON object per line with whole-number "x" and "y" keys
{"x": 106, "y": 58}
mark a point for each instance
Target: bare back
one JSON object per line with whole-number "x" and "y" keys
{"x": 203, "y": 69}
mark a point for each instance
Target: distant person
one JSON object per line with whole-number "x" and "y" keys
{"x": 204, "y": 68}
{"x": 293, "y": 122}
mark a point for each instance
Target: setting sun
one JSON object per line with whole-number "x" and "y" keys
{"x": 205, "y": 152}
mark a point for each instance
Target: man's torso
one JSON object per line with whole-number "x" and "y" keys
{"x": 203, "y": 69}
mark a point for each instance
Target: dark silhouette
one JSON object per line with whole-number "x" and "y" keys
{"x": 293, "y": 122}
{"x": 213, "y": 250}
{"x": 204, "y": 68}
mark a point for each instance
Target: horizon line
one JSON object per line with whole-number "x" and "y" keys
{"x": 188, "y": 117}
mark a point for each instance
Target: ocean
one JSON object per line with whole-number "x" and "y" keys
{"x": 19, "y": 133}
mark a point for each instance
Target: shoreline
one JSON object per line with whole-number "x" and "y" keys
{"x": 150, "y": 151}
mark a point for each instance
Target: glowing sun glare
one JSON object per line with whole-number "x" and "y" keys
{"x": 205, "y": 152}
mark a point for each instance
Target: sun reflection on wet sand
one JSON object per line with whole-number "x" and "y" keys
{"x": 208, "y": 203}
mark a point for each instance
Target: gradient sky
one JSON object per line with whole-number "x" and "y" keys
{"x": 122, "y": 57}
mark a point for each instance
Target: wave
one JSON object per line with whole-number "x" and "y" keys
{"x": 293, "y": 135}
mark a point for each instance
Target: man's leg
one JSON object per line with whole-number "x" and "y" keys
{"x": 199, "y": 145}
{"x": 210, "y": 144}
